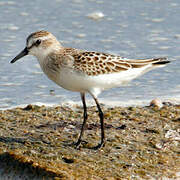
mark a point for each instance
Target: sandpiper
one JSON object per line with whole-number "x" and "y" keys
{"x": 84, "y": 71}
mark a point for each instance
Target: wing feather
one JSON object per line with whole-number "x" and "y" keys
{"x": 95, "y": 63}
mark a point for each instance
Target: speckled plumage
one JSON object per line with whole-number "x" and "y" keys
{"x": 95, "y": 63}
{"x": 84, "y": 71}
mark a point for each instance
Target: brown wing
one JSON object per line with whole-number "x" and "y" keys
{"x": 93, "y": 63}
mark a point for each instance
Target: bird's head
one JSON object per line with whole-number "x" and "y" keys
{"x": 39, "y": 44}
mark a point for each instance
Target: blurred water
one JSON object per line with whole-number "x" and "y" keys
{"x": 132, "y": 29}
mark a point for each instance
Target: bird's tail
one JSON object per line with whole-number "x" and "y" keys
{"x": 154, "y": 62}
{"x": 160, "y": 61}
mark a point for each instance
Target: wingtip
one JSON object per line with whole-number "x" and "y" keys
{"x": 162, "y": 61}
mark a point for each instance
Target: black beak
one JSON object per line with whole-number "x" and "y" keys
{"x": 23, "y": 53}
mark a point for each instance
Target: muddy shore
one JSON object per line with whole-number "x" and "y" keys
{"x": 142, "y": 143}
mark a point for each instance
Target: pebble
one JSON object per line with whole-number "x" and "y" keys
{"x": 156, "y": 103}
{"x": 173, "y": 134}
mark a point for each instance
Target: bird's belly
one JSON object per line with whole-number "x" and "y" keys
{"x": 74, "y": 81}
{"x": 69, "y": 80}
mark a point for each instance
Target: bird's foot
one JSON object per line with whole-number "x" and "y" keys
{"x": 77, "y": 144}
{"x": 102, "y": 144}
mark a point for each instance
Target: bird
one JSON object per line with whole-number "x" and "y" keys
{"x": 85, "y": 71}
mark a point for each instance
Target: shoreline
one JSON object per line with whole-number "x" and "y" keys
{"x": 142, "y": 142}
{"x": 108, "y": 103}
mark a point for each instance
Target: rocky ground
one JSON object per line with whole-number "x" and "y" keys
{"x": 142, "y": 143}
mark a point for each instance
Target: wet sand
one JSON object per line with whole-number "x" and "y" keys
{"x": 142, "y": 143}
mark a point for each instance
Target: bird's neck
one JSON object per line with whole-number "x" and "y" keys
{"x": 45, "y": 52}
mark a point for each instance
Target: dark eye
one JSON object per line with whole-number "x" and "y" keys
{"x": 38, "y": 42}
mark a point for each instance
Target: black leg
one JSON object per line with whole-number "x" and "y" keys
{"x": 84, "y": 121}
{"x": 101, "y": 116}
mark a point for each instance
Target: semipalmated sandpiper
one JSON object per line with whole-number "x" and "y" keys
{"x": 84, "y": 71}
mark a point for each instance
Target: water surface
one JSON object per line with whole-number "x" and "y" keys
{"x": 132, "y": 29}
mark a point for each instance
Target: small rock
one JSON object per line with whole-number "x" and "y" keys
{"x": 121, "y": 127}
{"x": 68, "y": 160}
{"x": 28, "y": 107}
{"x": 156, "y": 103}
{"x": 173, "y": 134}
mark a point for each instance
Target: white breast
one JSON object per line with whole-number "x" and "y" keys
{"x": 73, "y": 81}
